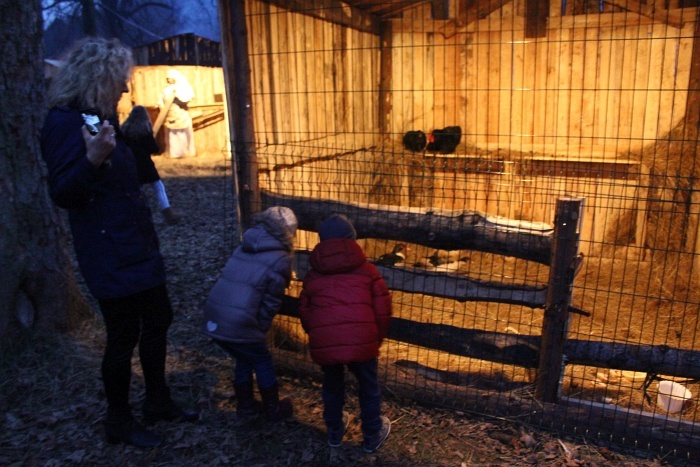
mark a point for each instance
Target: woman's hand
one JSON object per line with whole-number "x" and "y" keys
{"x": 101, "y": 145}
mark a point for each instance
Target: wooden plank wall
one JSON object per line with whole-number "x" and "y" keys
{"x": 311, "y": 78}
{"x": 594, "y": 89}
{"x": 615, "y": 192}
{"x": 606, "y": 82}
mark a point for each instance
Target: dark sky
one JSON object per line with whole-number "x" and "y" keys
{"x": 194, "y": 16}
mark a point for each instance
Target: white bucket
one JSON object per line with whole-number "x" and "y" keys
{"x": 672, "y": 396}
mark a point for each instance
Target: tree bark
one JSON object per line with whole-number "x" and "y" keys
{"x": 89, "y": 21}
{"x": 38, "y": 291}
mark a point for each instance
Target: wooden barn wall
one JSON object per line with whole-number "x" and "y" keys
{"x": 147, "y": 83}
{"x": 311, "y": 78}
{"x": 595, "y": 89}
{"x": 611, "y": 81}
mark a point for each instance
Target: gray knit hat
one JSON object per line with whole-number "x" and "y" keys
{"x": 280, "y": 222}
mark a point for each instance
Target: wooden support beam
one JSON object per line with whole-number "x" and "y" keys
{"x": 472, "y": 11}
{"x": 333, "y": 11}
{"x": 440, "y": 9}
{"x": 446, "y": 230}
{"x": 385, "y": 71}
{"x": 672, "y": 18}
{"x": 463, "y": 26}
{"x": 239, "y": 92}
{"x": 229, "y": 83}
{"x": 567, "y": 228}
{"x": 536, "y": 14}
{"x": 692, "y": 107}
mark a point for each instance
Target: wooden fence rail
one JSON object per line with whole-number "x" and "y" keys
{"x": 524, "y": 350}
{"x": 445, "y": 230}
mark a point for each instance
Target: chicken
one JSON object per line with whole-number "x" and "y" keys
{"x": 395, "y": 258}
{"x": 444, "y": 141}
{"x": 414, "y": 140}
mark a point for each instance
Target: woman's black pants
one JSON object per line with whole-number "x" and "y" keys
{"x": 142, "y": 318}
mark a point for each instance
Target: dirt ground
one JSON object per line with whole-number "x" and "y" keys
{"x": 52, "y": 402}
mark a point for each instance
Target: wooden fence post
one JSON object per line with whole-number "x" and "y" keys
{"x": 239, "y": 89}
{"x": 567, "y": 228}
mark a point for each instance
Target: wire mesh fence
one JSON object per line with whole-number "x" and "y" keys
{"x": 600, "y": 103}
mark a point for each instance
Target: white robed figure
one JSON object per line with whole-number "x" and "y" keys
{"x": 179, "y": 134}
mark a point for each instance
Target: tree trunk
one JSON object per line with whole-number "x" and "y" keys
{"x": 38, "y": 291}
{"x": 89, "y": 21}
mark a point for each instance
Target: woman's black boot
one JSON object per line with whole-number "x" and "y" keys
{"x": 168, "y": 411}
{"x": 131, "y": 432}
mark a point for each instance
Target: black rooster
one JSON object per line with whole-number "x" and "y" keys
{"x": 444, "y": 141}
{"x": 415, "y": 140}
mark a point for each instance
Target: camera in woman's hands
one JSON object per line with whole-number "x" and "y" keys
{"x": 92, "y": 123}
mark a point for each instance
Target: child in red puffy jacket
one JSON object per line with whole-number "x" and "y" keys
{"x": 345, "y": 308}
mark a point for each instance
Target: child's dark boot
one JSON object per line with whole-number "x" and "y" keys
{"x": 246, "y": 405}
{"x": 276, "y": 409}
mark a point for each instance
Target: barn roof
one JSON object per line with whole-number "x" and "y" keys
{"x": 366, "y": 15}
{"x": 386, "y": 8}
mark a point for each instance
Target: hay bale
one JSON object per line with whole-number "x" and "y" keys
{"x": 674, "y": 172}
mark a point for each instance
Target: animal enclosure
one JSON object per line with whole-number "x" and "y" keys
{"x": 584, "y": 100}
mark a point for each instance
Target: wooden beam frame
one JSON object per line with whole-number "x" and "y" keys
{"x": 672, "y": 18}
{"x": 385, "y": 72}
{"x": 536, "y": 15}
{"x": 239, "y": 91}
{"x": 692, "y": 107}
{"x": 334, "y": 11}
{"x": 470, "y": 12}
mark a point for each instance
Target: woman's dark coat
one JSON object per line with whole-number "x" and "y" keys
{"x": 115, "y": 242}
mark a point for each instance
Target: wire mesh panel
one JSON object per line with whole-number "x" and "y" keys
{"x": 490, "y": 115}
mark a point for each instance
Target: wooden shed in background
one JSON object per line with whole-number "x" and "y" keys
{"x": 197, "y": 58}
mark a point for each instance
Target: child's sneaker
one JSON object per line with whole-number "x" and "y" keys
{"x": 375, "y": 442}
{"x": 335, "y": 437}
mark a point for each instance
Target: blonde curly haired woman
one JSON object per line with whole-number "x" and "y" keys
{"x": 92, "y": 175}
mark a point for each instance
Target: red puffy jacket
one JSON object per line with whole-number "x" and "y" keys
{"x": 345, "y": 305}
